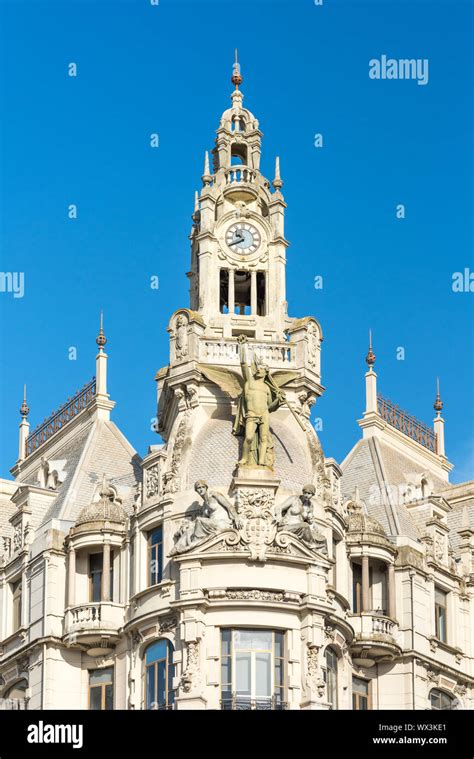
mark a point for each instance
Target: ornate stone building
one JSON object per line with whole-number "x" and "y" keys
{"x": 235, "y": 567}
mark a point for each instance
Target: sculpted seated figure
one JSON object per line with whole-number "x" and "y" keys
{"x": 216, "y": 514}
{"x": 297, "y": 517}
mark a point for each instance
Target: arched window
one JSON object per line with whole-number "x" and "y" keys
{"x": 440, "y": 700}
{"x": 16, "y": 691}
{"x": 159, "y": 670}
{"x": 331, "y": 677}
{"x": 238, "y": 155}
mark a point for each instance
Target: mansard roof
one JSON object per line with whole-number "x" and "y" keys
{"x": 97, "y": 446}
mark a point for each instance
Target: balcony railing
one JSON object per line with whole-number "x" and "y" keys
{"x": 13, "y": 704}
{"x": 243, "y": 703}
{"x": 61, "y": 417}
{"x": 103, "y": 615}
{"x": 369, "y": 623}
{"x": 272, "y": 354}
{"x": 409, "y": 425}
{"x": 238, "y": 174}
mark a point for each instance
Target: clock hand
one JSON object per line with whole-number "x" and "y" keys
{"x": 237, "y": 239}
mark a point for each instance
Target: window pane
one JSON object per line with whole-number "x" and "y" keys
{"x": 95, "y": 562}
{"x": 150, "y": 686}
{"x": 96, "y": 698}
{"x": 156, "y": 651}
{"x": 98, "y": 676}
{"x": 243, "y": 682}
{"x": 253, "y": 640}
{"x": 161, "y": 682}
{"x": 109, "y": 697}
{"x": 360, "y": 686}
{"x": 278, "y": 674}
{"x": 226, "y": 672}
{"x": 279, "y": 644}
{"x": 440, "y": 597}
{"x": 96, "y": 586}
{"x": 156, "y": 536}
{"x": 263, "y": 675}
{"x": 226, "y": 638}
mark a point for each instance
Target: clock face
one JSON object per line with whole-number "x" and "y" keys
{"x": 243, "y": 237}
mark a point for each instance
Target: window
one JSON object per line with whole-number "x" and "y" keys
{"x": 441, "y": 700}
{"x": 331, "y": 677}
{"x": 441, "y": 599}
{"x": 360, "y": 694}
{"x": 261, "y": 301}
{"x": 96, "y": 561}
{"x": 238, "y": 155}
{"x": 17, "y": 691}
{"x": 159, "y": 675}
{"x": 155, "y": 556}
{"x": 252, "y": 669}
{"x": 16, "y": 588}
{"x": 101, "y": 689}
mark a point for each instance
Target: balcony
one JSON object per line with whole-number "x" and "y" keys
{"x": 244, "y": 703}
{"x": 275, "y": 354}
{"x": 13, "y": 704}
{"x": 92, "y": 623}
{"x": 376, "y": 639}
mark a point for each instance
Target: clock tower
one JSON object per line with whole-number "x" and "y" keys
{"x": 237, "y": 273}
{"x": 238, "y": 241}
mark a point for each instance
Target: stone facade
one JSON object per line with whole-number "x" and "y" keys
{"x": 209, "y": 575}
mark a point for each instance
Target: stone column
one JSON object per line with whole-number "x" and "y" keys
{"x": 253, "y": 292}
{"x": 105, "y": 589}
{"x": 71, "y": 577}
{"x": 391, "y": 591}
{"x": 231, "y": 296}
{"x": 365, "y": 584}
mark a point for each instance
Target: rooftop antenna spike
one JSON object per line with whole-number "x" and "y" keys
{"x": 236, "y": 75}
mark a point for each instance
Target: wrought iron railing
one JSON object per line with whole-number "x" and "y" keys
{"x": 243, "y": 703}
{"x": 409, "y": 425}
{"x": 61, "y": 417}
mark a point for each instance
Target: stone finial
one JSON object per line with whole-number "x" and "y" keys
{"x": 277, "y": 182}
{"x": 24, "y": 410}
{"x": 438, "y": 404}
{"x": 370, "y": 358}
{"x": 236, "y": 77}
{"x": 206, "y": 177}
{"x": 101, "y": 338}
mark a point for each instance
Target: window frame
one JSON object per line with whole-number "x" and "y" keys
{"x": 358, "y": 695}
{"x": 90, "y": 574}
{"x": 439, "y": 692}
{"x": 327, "y": 677}
{"x": 17, "y": 604}
{"x": 155, "y": 552}
{"x": 102, "y": 687}
{"x": 441, "y": 620}
{"x": 278, "y": 667}
{"x": 169, "y": 676}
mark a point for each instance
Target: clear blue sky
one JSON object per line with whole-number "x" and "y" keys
{"x": 166, "y": 69}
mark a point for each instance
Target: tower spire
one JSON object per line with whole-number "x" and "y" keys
{"x": 277, "y": 182}
{"x": 438, "y": 422}
{"x": 236, "y": 77}
{"x": 206, "y": 177}
{"x": 101, "y": 362}
{"x": 24, "y": 427}
{"x": 370, "y": 380}
{"x": 370, "y": 358}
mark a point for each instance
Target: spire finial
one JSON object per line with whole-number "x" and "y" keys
{"x": 438, "y": 404}
{"x": 236, "y": 75}
{"x": 370, "y": 358}
{"x": 206, "y": 177}
{"x": 24, "y": 410}
{"x": 277, "y": 182}
{"x": 101, "y": 338}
